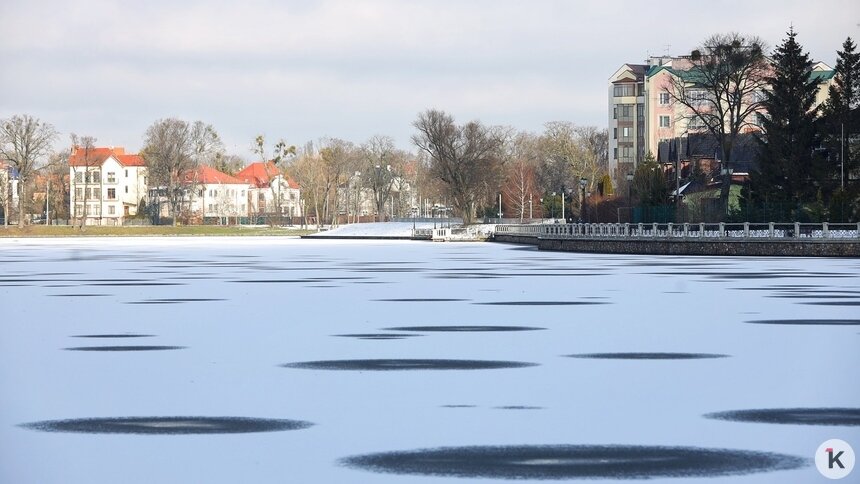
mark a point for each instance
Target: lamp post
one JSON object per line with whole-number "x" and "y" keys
{"x": 563, "y": 220}
{"x": 552, "y": 207}
{"x": 727, "y": 177}
{"x": 630, "y": 193}
{"x": 582, "y": 183}
{"x": 530, "y": 206}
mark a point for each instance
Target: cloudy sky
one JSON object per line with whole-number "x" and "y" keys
{"x": 301, "y": 70}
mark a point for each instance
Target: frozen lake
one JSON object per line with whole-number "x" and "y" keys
{"x": 279, "y": 360}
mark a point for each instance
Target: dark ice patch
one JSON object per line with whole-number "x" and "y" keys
{"x": 121, "y": 335}
{"x": 174, "y": 300}
{"x": 808, "y": 322}
{"x": 125, "y": 348}
{"x": 540, "y": 303}
{"x": 574, "y": 462}
{"x": 381, "y": 336}
{"x": 167, "y": 425}
{"x": 464, "y": 329}
{"x": 647, "y": 356}
{"x": 417, "y": 299}
{"x": 406, "y": 364}
{"x": 796, "y": 416}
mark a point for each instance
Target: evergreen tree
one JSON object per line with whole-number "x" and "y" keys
{"x": 840, "y": 129}
{"x": 789, "y": 171}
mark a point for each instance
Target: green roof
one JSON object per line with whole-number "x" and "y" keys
{"x": 822, "y": 76}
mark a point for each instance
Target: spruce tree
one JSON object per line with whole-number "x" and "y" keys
{"x": 788, "y": 173}
{"x": 842, "y": 123}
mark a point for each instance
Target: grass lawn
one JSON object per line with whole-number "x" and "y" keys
{"x": 156, "y": 230}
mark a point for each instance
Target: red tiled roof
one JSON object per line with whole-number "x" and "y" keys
{"x": 131, "y": 160}
{"x": 97, "y": 156}
{"x": 210, "y": 176}
{"x": 260, "y": 174}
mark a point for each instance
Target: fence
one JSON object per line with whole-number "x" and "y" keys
{"x": 686, "y": 231}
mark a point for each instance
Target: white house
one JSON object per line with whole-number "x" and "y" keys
{"x": 106, "y": 185}
{"x": 218, "y": 194}
{"x": 271, "y": 191}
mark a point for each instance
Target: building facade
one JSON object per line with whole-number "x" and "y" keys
{"x": 271, "y": 192}
{"x": 106, "y": 185}
{"x": 643, "y": 113}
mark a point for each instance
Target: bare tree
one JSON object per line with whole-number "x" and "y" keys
{"x": 523, "y": 156}
{"x": 24, "y": 140}
{"x": 320, "y": 171}
{"x": 721, "y": 90}
{"x": 83, "y": 151}
{"x": 281, "y": 152}
{"x": 173, "y": 151}
{"x": 466, "y": 158}
{"x": 381, "y": 168}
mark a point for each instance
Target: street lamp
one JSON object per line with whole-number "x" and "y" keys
{"x": 582, "y": 183}
{"x": 630, "y": 193}
{"x": 727, "y": 178}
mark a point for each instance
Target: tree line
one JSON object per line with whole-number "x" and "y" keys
{"x": 461, "y": 166}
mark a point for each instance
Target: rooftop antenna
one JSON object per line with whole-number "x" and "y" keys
{"x": 668, "y": 46}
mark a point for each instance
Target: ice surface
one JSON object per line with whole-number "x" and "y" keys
{"x": 242, "y": 308}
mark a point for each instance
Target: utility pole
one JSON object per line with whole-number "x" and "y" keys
{"x": 500, "y": 207}
{"x": 842, "y": 161}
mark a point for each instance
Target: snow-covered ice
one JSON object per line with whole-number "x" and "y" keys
{"x": 284, "y": 360}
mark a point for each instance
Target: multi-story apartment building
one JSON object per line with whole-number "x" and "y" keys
{"x": 271, "y": 191}
{"x": 206, "y": 193}
{"x": 8, "y": 190}
{"x": 642, "y": 112}
{"x": 106, "y": 185}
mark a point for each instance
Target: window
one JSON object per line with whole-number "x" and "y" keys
{"x": 111, "y": 177}
{"x": 79, "y": 177}
{"x": 760, "y": 118}
{"x": 79, "y": 210}
{"x": 144, "y": 180}
{"x": 664, "y": 121}
{"x": 126, "y": 189}
{"x": 95, "y": 192}
{"x": 111, "y": 193}
{"x": 126, "y": 173}
{"x": 210, "y": 207}
{"x": 625, "y": 110}
{"x": 242, "y": 194}
{"x": 79, "y": 192}
{"x": 615, "y": 153}
{"x": 111, "y": 210}
{"x": 697, "y": 96}
{"x": 664, "y": 98}
{"x": 620, "y": 90}
{"x": 614, "y": 133}
{"x": 615, "y": 112}
{"x": 626, "y": 132}
{"x": 97, "y": 176}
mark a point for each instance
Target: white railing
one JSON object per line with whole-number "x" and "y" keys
{"x": 687, "y": 231}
